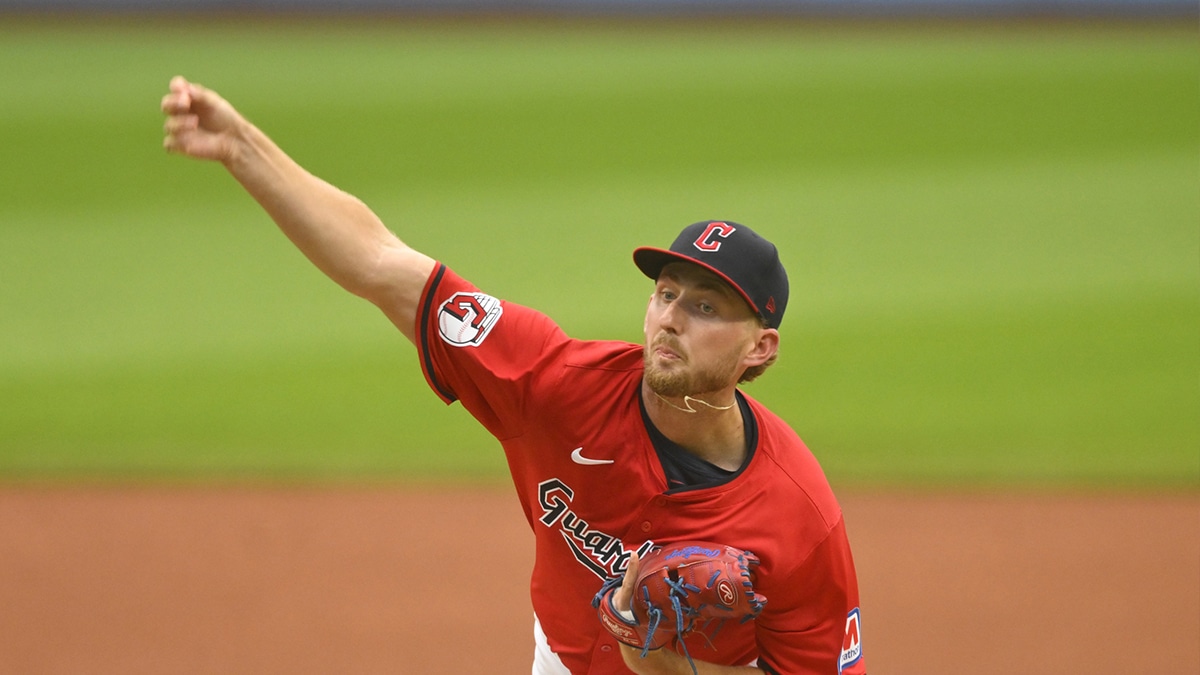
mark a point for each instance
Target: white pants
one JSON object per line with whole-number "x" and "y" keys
{"x": 545, "y": 661}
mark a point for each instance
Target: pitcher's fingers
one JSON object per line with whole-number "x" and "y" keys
{"x": 186, "y": 90}
{"x": 182, "y": 96}
{"x": 191, "y": 143}
{"x": 179, "y": 123}
{"x": 176, "y": 102}
{"x": 198, "y": 97}
{"x": 174, "y": 143}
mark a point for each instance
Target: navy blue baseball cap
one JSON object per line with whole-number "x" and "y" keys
{"x": 736, "y": 254}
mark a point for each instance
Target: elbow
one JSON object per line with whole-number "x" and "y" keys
{"x": 394, "y": 277}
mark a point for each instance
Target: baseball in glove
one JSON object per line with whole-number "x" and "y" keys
{"x": 682, "y": 588}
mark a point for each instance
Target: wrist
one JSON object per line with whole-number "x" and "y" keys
{"x": 243, "y": 141}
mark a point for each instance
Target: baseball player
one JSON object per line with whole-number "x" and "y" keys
{"x": 614, "y": 448}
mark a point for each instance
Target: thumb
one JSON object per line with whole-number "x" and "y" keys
{"x": 189, "y": 94}
{"x": 201, "y": 100}
{"x": 179, "y": 84}
{"x": 623, "y": 598}
{"x": 188, "y": 97}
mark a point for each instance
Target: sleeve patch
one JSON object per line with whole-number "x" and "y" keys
{"x": 466, "y": 319}
{"x": 851, "y": 655}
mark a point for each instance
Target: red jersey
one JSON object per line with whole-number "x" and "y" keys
{"x": 568, "y": 415}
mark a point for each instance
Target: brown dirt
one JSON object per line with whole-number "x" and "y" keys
{"x": 204, "y": 580}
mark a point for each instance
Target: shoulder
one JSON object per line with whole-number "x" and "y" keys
{"x": 461, "y": 315}
{"x": 591, "y": 370}
{"x": 603, "y": 355}
{"x": 795, "y": 490}
{"x": 792, "y": 469}
{"x": 465, "y": 316}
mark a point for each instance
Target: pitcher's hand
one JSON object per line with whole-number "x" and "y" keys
{"x": 199, "y": 122}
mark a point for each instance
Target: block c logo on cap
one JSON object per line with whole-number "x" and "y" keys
{"x": 710, "y": 241}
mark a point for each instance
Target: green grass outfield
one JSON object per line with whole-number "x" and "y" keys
{"x": 993, "y": 235}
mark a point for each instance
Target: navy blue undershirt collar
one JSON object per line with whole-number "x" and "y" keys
{"x": 685, "y": 471}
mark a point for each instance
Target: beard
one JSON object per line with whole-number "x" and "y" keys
{"x": 680, "y": 380}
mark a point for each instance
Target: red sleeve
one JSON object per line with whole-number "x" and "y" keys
{"x": 481, "y": 351}
{"x": 815, "y": 627}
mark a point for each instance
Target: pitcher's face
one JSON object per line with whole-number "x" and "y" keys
{"x": 700, "y": 335}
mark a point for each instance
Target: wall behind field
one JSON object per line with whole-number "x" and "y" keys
{"x": 850, "y": 8}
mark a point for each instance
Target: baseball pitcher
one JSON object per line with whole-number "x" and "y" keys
{"x": 681, "y": 526}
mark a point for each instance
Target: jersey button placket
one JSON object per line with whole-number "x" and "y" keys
{"x": 654, "y": 510}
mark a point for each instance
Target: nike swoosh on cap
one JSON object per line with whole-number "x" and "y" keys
{"x": 578, "y": 458}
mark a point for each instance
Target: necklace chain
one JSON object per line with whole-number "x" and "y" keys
{"x": 687, "y": 402}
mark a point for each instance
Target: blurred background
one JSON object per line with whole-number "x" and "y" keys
{"x": 989, "y": 211}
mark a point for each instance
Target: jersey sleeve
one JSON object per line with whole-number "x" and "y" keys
{"x": 481, "y": 351}
{"x": 819, "y": 629}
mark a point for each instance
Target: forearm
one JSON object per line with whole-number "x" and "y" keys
{"x": 667, "y": 662}
{"x": 334, "y": 229}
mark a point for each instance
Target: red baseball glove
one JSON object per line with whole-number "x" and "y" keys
{"x": 681, "y": 588}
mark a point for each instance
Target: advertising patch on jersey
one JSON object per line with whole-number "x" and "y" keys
{"x": 851, "y": 662}
{"x": 466, "y": 318}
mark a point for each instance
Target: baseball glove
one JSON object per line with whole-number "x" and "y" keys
{"x": 682, "y": 588}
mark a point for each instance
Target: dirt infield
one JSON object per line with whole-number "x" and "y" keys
{"x": 430, "y": 581}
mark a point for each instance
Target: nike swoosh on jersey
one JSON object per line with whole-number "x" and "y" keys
{"x": 578, "y": 458}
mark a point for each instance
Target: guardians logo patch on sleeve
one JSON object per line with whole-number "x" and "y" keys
{"x": 466, "y": 318}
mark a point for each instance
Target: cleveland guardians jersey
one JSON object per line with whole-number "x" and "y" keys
{"x": 569, "y": 417}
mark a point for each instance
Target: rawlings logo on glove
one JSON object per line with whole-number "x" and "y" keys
{"x": 681, "y": 588}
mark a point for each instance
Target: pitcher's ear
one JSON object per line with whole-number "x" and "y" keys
{"x": 765, "y": 347}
